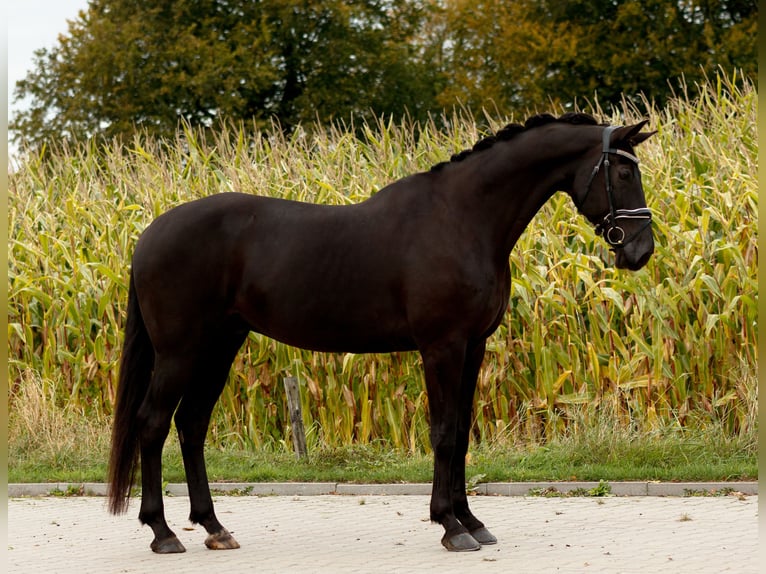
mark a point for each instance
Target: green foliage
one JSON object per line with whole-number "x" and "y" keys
{"x": 525, "y": 54}
{"x": 206, "y": 60}
{"x": 126, "y": 66}
{"x": 674, "y": 344}
{"x": 71, "y": 490}
{"x": 602, "y": 489}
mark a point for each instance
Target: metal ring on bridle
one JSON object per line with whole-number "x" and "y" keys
{"x": 613, "y": 241}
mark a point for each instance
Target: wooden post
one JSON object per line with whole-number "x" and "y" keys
{"x": 296, "y": 417}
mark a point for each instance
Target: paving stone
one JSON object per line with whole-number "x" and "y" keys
{"x": 392, "y": 534}
{"x": 384, "y": 489}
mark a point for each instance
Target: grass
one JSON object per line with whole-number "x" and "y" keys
{"x": 651, "y": 372}
{"x": 52, "y": 445}
{"x": 668, "y": 459}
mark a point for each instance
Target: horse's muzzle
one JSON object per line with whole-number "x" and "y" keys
{"x": 636, "y": 254}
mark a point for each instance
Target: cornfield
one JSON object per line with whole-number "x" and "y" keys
{"x": 674, "y": 342}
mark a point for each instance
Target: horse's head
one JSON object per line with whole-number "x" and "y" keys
{"x": 609, "y": 193}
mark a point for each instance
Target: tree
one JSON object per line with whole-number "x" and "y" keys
{"x": 496, "y": 54}
{"x": 526, "y": 54}
{"x": 127, "y": 65}
{"x": 628, "y": 47}
{"x": 343, "y": 59}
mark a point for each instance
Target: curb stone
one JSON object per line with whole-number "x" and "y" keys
{"x": 639, "y": 488}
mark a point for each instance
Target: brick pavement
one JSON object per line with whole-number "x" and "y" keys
{"x": 391, "y": 534}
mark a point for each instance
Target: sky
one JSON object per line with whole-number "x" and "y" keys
{"x": 34, "y": 24}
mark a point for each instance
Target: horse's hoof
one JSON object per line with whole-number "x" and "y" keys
{"x": 170, "y": 545}
{"x": 483, "y": 536}
{"x": 221, "y": 541}
{"x": 462, "y": 542}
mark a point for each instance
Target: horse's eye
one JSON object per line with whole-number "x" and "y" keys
{"x": 625, "y": 174}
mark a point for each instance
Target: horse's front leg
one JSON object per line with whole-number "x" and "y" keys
{"x": 473, "y": 360}
{"x": 443, "y": 366}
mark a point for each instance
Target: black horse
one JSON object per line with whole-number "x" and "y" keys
{"x": 422, "y": 264}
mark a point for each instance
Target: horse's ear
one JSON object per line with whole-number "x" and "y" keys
{"x": 631, "y": 134}
{"x": 640, "y": 138}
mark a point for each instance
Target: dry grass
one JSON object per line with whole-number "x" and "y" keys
{"x": 46, "y": 434}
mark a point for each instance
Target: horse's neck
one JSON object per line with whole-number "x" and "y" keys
{"x": 527, "y": 200}
{"x": 503, "y": 194}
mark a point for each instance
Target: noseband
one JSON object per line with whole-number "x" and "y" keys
{"x": 609, "y": 227}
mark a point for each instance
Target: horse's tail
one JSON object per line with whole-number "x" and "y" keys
{"x": 136, "y": 366}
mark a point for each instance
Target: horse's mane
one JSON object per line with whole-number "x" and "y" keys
{"x": 512, "y": 130}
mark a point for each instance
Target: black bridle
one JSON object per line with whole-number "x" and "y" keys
{"x": 609, "y": 227}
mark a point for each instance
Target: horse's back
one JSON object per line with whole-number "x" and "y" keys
{"x": 315, "y": 276}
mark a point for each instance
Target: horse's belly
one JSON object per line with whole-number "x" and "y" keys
{"x": 333, "y": 337}
{"x": 346, "y": 344}
{"x": 330, "y": 323}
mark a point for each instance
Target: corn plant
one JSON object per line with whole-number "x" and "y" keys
{"x": 674, "y": 342}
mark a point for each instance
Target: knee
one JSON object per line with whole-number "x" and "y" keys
{"x": 191, "y": 429}
{"x": 152, "y": 428}
{"x": 443, "y": 441}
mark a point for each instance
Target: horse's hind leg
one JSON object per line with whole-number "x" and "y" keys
{"x": 192, "y": 420}
{"x": 153, "y": 424}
